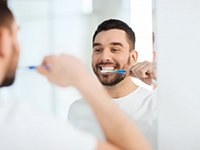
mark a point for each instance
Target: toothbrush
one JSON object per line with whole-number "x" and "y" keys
{"x": 32, "y": 67}
{"x": 120, "y": 71}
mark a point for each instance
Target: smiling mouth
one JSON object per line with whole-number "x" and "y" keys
{"x": 105, "y": 70}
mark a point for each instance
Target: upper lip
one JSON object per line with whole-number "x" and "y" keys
{"x": 107, "y": 67}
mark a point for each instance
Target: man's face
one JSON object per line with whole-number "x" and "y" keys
{"x": 111, "y": 51}
{"x": 12, "y": 49}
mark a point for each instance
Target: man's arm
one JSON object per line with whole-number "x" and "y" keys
{"x": 106, "y": 146}
{"x": 67, "y": 70}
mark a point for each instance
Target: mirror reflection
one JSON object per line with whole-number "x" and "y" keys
{"x": 69, "y": 26}
{"x": 110, "y": 36}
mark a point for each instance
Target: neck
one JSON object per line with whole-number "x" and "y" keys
{"x": 121, "y": 89}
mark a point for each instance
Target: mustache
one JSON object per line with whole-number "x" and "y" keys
{"x": 106, "y": 63}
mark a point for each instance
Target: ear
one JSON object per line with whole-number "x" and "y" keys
{"x": 154, "y": 56}
{"x": 4, "y": 41}
{"x": 134, "y": 55}
{"x": 1, "y": 41}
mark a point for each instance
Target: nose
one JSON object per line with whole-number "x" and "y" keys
{"x": 106, "y": 56}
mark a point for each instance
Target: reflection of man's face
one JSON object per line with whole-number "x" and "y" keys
{"x": 111, "y": 51}
{"x": 12, "y": 46}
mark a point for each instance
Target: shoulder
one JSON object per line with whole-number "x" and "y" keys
{"x": 18, "y": 108}
{"x": 150, "y": 98}
{"x": 146, "y": 97}
{"x": 78, "y": 104}
{"x": 18, "y": 118}
{"x": 146, "y": 93}
{"x": 79, "y": 108}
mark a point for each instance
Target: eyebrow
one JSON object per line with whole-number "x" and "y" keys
{"x": 96, "y": 44}
{"x": 113, "y": 43}
{"x": 117, "y": 44}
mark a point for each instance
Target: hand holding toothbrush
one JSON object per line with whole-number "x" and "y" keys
{"x": 145, "y": 71}
{"x": 63, "y": 70}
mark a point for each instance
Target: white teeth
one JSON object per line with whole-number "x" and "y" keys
{"x": 107, "y": 69}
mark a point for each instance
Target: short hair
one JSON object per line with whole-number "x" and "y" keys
{"x": 117, "y": 24}
{"x": 6, "y": 16}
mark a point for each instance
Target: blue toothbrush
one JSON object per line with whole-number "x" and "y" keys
{"x": 32, "y": 67}
{"x": 120, "y": 71}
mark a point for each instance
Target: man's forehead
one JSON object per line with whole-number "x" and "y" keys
{"x": 111, "y": 37}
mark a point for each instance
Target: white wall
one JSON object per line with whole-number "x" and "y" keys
{"x": 177, "y": 43}
{"x": 141, "y": 22}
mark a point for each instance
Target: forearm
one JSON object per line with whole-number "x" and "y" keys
{"x": 118, "y": 129}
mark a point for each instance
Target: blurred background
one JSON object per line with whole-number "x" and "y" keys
{"x": 57, "y": 26}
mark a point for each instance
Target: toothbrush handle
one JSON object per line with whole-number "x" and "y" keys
{"x": 121, "y": 71}
{"x": 34, "y": 67}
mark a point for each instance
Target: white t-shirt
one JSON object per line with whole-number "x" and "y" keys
{"x": 23, "y": 127}
{"x": 140, "y": 106}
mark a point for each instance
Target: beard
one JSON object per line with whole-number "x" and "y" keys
{"x": 109, "y": 79}
{"x": 118, "y": 78}
{"x": 11, "y": 70}
{"x": 9, "y": 80}
{"x": 9, "y": 76}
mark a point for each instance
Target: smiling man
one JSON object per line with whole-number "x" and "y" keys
{"x": 114, "y": 49}
{"x": 107, "y": 49}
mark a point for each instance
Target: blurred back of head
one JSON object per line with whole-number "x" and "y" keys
{"x": 6, "y": 16}
{"x": 9, "y": 46}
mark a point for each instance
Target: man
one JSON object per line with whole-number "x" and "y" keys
{"x": 23, "y": 127}
{"x": 114, "y": 49}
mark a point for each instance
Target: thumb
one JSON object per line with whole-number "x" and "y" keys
{"x": 42, "y": 70}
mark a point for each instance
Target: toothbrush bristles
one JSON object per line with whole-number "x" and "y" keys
{"x": 121, "y": 71}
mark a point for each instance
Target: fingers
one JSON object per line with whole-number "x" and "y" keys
{"x": 45, "y": 68}
{"x": 152, "y": 70}
{"x": 145, "y": 71}
{"x": 141, "y": 70}
{"x": 62, "y": 70}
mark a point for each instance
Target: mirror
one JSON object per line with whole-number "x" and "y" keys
{"x": 58, "y": 26}
{"x": 67, "y": 26}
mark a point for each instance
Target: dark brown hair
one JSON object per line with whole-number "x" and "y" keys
{"x": 6, "y": 16}
{"x": 117, "y": 24}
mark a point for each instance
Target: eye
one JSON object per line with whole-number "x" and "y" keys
{"x": 115, "y": 50}
{"x": 97, "y": 50}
